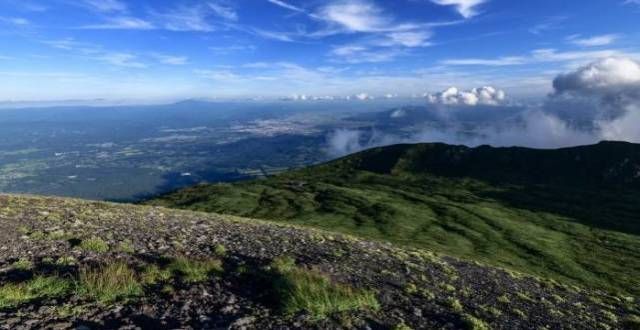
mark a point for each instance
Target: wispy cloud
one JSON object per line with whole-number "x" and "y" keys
{"x": 223, "y": 11}
{"x": 15, "y": 21}
{"x": 122, "y": 60}
{"x": 601, "y": 40}
{"x": 360, "y": 54}
{"x": 232, "y": 49}
{"x": 407, "y": 39}
{"x": 202, "y": 17}
{"x": 97, "y": 52}
{"x": 384, "y": 36}
{"x": 122, "y": 23}
{"x": 549, "y": 24}
{"x": 502, "y": 61}
{"x": 539, "y": 56}
{"x": 218, "y": 75}
{"x": 27, "y": 5}
{"x": 170, "y": 59}
{"x": 466, "y": 8}
{"x": 287, "y": 6}
{"x": 105, "y": 6}
{"x": 361, "y": 16}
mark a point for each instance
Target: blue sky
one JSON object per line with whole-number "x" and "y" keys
{"x": 168, "y": 50}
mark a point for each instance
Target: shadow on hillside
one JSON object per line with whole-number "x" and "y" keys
{"x": 616, "y": 210}
{"x": 175, "y": 180}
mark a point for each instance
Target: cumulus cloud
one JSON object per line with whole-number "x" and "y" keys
{"x": 612, "y": 75}
{"x": 478, "y": 96}
{"x": 606, "y": 89}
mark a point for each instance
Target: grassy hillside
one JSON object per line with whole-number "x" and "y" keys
{"x": 571, "y": 214}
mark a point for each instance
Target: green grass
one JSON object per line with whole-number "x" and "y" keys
{"x": 220, "y": 250}
{"x": 300, "y": 289}
{"x": 194, "y": 271}
{"x": 12, "y": 295}
{"x": 22, "y": 264}
{"x": 126, "y": 247}
{"x": 574, "y": 234}
{"x": 109, "y": 283}
{"x": 473, "y": 323}
{"x": 95, "y": 244}
{"x": 153, "y": 274}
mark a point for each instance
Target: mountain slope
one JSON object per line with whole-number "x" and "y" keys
{"x": 571, "y": 214}
{"x": 68, "y": 263}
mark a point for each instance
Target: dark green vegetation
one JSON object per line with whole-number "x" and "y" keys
{"x": 570, "y": 214}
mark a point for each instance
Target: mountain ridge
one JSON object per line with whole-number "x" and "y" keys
{"x": 618, "y": 163}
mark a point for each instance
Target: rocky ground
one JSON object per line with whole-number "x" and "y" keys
{"x": 68, "y": 240}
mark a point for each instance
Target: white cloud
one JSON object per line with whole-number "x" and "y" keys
{"x": 232, "y": 49}
{"x": 105, "y": 6}
{"x": 170, "y": 59}
{"x": 357, "y": 16}
{"x": 287, "y": 6}
{"x": 122, "y": 23}
{"x": 198, "y": 18}
{"x": 575, "y": 58}
{"x": 273, "y": 35}
{"x": 408, "y": 39}
{"x": 466, "y": 8}
{"x": 624, "y": 128}
{"x": 343, "y": 142}
{"x": 601, "y": 40}
{"x": 550, "y": 23}
{"x": 364, "y": 54}
{"x": 122, "y": 59}
{"x": 225, "y": 12}
{"x": 605, "y": 92}
{"x": 478, "y": 96}
{"x": 360, "y": 16}
{"x": 610, "y": 75}
{"x": 218, "y": 75}
{"x": 502, "y": 61}
{"x": 17, "y": 21}
{"x": 362, "y": 97}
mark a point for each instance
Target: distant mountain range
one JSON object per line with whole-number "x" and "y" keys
{"x": 572, "y": 213}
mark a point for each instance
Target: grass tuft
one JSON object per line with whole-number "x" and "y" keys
{"x": 109, "y": 284}
{"x": 12, "y": 295}
{"x": 95, "y": 244}
{"x": 22, "y": 264}
{"x": 194, "y": 271}
{"x": 220, "y": 250}
{"x": 304, "y": 290}
{"x": 153, "y": 274}
{"x": 473, "y": 323}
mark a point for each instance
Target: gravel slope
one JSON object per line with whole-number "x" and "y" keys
{"x": 415, "y": 288}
